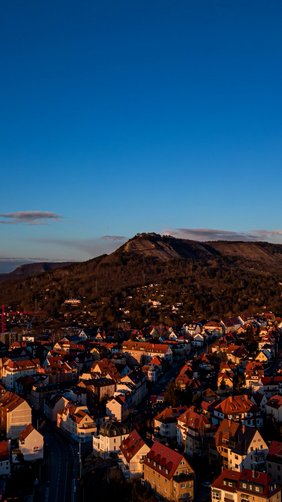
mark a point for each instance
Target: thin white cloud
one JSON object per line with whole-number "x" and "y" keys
{"x": 211, "y": 234}
{"x": 28, "y": 217}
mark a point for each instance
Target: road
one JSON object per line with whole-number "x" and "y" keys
{"x": 161, "y": 385}
{"x": 62, "y": 469}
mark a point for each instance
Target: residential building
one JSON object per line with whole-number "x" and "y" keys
{"x": 240, "y": 409}
{"x": 240, "y": 447}
{"x": 194, "y": 431}
{"x": 31, "y": 444}
{"x": 54, "y": 405}
{"x": 169, "y": 473}
{"x": 117, "y": 408}
{"x": 165, "y": 421}
{"x": 108, "y": 440}
{"x": 245, "y": 486}
{"x": 15, "y": 414}
{"x": 11, "y": 370}
{"x": 77, "y": 422}
{"x": 274, "y": 461}
{"x": 273, "y": 408}
{"x": 144, "y": 352}
{"x": 133, "y": 450}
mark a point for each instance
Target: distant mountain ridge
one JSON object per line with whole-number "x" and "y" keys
{"x": 208, "y": 276}
{"x": 29, "y": 269}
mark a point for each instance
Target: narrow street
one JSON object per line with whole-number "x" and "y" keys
{"x": 62, "y": 469}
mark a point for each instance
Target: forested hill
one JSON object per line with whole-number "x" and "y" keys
{"x": 209, "y": 278}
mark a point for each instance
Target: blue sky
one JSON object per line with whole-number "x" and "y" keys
{"x": 124, "y": 116}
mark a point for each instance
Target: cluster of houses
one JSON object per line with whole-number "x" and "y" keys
{"x": 92, "y": 388}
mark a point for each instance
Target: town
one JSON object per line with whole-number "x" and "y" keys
{"x": 175, "y": 412}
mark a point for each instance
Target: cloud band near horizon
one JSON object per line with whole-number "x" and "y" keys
{"x": 211, "y": 234}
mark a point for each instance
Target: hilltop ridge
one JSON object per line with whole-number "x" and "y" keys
{"x": 219, "y": 273}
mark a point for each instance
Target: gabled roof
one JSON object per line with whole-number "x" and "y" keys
{"x": 170, "y": 414}
{"x": 156, "y": 361}
{"x": 131, "y": 445}
{"x": 275, "y": 402}
{"x": 22, "y": 365}
{"x": 164, "y": 460}
{"x": 26, "y": 432}
{"x": 250, "y": 478}
{"x": 233, "y": 405}
{"x": 225, "y": 431}
{"x": 275, "y": 452}
{"x": 10, "y": 401}
{"x": 237, "y": 436}
{"x": 193, "y": 420}
{"x": 160, "y": 348}
{"x": 106, "y": 367}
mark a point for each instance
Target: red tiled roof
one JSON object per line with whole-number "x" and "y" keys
{"x": 10, "y": 401}
{"x": 255, "y": 478}
{"x": 131, "y": 445}
{"x": 164, "y": 460}
{"x": 24, "y": 364}
{"x": 275, "y": 401}
{"x": 170, "y": 414}
{"x": 193, "y": 420}
{"x": 275, "y": 451}
{"x": 145, "y": 346}
{"x": 106, "y": 366}
{"x": 26, "y": 432}
{"x": 271, "y": 380}
{"x": 156, "y": 360}
{"x": 236, "y": 404}
{"x": 226, "y": 475}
